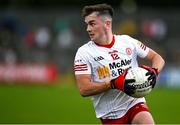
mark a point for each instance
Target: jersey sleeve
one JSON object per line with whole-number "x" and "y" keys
{"x": 141, "y": 49}
{"x": 81, "y": 63}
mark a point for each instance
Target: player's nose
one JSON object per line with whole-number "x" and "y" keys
{"x": 88, "y": 29}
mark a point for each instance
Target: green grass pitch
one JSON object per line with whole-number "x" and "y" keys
{"x": 62, "y": 104}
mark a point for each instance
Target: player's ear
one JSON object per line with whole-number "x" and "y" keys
{"x": 108, "y": 24}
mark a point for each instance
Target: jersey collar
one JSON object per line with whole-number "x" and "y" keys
{"x": 107, "y": 45}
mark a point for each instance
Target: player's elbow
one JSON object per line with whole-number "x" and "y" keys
{"x": 84, "y": 92}
{"x": 161, "y": 62}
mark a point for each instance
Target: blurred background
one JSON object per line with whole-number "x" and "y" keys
{"x": 38, "y": 42}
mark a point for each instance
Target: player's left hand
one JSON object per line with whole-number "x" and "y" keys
{"x": 152, "y": 73}
{"x": 123, "y": 84}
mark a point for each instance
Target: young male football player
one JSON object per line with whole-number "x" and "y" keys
{"x": 101, "y": 65}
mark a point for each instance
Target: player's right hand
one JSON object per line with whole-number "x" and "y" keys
{"x": 123, "y": 84}
{"x": 152, "y": 73}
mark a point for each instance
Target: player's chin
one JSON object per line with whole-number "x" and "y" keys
{"x": 92, "y": 38}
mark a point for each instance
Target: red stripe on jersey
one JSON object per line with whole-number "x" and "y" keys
{"x": 81, "y": 65}
{"x": 80, "y": 69}
{"x": 143, "y": 46}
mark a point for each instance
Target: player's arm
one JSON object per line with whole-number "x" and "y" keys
{"x": 89, "y": 88}
{"x": 149, "y": 54}
{"x": 83, "y": 76}
{"x": 157, "y": 65}
{"x": 156, "y": 60}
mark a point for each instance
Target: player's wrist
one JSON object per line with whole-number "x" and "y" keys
{"x": 155, "y": 71}
{"x": 112, "y": 84}
{"x": 108, "y": 84}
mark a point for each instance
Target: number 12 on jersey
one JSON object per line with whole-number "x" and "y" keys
{"x": 115, "y": 56}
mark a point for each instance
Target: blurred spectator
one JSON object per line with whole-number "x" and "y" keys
{"x": 155, "y": 29}
{"x": 29, "y": 39}
{"x": 64, "y": 33}
{"x": 9, "y": 36}
{"x": 10, "y": 57}
{"x": 127, "y": 27}
{"x": 42, "y": 37}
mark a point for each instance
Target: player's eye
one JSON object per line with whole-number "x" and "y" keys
{"x": 92, "y": 24}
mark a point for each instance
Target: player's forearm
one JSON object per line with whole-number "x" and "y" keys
{"x": 88, "y": 87}
{"x": 93, "y": 88}
{"x": 158, "y": 62}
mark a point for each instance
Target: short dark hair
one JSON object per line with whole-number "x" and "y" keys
{"x": 103, "y": 9}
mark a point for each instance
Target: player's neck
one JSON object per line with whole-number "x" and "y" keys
{"x": 107, "y": 44}
{"x": 107, "y": 39}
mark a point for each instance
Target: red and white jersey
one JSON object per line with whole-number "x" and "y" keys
{"x": 106, "y": 62}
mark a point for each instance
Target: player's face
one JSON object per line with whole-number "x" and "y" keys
{"x": 95, "y": 27}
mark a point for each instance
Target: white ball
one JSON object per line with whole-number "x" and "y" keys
{"x": 141, "y": 83}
